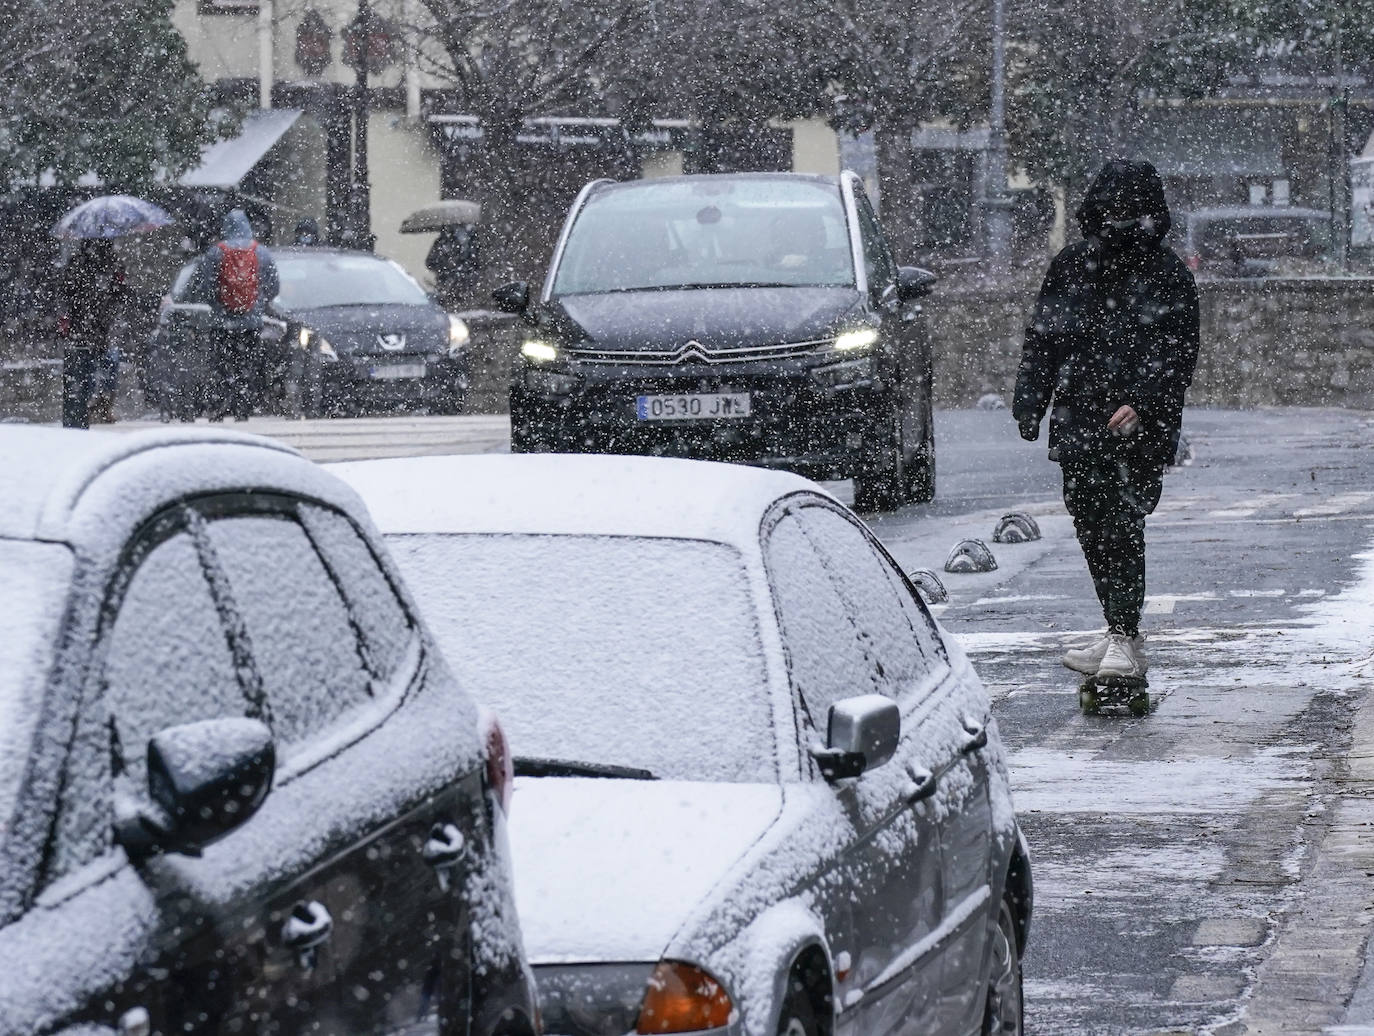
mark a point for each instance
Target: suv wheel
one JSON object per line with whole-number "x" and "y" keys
{"x": 884, "y": 482}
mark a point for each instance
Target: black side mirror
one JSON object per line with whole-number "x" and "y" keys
{"x": 863, "y": 734}
{"x": 204, "y": 780}
{"x": 513, "y": 297}
{"x": 914, "y": 282}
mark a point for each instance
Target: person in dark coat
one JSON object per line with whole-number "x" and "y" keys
{"x": 222, "y": 279}
{"x": 1111, "y": 347}
{"x": 92, "y": 291}
{"x": 455, "y": 261}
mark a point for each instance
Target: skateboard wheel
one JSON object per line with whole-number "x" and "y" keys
{"x": 1087, "y": 699}
{"x": 1139, "y": 704}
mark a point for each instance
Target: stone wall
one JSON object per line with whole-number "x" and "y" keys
{"x": 1307, "y": 342}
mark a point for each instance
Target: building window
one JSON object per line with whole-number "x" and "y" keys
{"x": 228, "y": 6}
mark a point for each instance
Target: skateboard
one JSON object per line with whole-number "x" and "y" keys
{"x": 1130, "y": 693}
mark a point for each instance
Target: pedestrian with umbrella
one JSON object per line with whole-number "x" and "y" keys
{"x": 93, "y": 294}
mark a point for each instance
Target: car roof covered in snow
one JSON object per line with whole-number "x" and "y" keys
{"x": 568, "y": 494}
{"x": 82, "y": 486}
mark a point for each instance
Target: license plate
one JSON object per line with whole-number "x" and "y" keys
{"x": 399, "y": 370}
{"x": 693, "y": 406}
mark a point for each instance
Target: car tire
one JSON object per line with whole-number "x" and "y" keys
{"x": 1004, "y": 1013}
{"x": 884, "y": 482}
{"x": 922, "y": 477}
{"x": 798, "y": 1016}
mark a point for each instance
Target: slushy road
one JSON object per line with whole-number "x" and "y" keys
{"x": 1206, "y": 868}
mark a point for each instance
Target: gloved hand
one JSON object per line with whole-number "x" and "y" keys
{"x": 1030, "y": 430}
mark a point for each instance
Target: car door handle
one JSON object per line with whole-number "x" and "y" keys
{"x": 922, "y": 786}
{"x": 443, "y": 850}
{"x": 976, "y": 739}
{"x": 307, "y": 927}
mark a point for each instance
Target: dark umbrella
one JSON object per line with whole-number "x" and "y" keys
{"x": 113, "y": 215}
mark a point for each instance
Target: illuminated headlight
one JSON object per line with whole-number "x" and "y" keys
{"x": 458, "y": 335}
{"x": 308, "y": 339}
{"x": 852, "y": 341}
{"x": 539, "y": 351}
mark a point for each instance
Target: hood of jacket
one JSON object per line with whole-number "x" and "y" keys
{"x": 1125, "y": 193}
{"x": 236, "y": 230}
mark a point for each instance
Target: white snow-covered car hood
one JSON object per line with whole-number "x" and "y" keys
{"x": 609, "y": 869}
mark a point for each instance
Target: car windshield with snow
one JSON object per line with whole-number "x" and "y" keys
{"x": 758, "y": 789}
{"x": 239, "y": 790}
{"x": 747, "y": 317}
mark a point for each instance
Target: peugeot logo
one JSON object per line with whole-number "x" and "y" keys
{"x": 392, "y": 342}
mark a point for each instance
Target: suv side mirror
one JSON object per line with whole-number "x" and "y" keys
{"x": 863, "y": 734}
{"x": 914, "y": 282}
{"x": 513, "y": 297}
{"x": 204, "y": 780}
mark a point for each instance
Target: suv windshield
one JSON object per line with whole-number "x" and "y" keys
{"x": 35, "y": 578}
{"x": 708, "y": 233}
{"x": 325, "y": 279}
{"x": 632, "y": 652}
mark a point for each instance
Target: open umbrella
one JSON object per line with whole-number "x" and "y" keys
{"x": 112, "y": 215}
{"x": 440, "y": 214}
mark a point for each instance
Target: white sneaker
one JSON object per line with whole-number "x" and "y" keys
{"x": 1087, "y": 659}
{"x": 1123, "y": 659}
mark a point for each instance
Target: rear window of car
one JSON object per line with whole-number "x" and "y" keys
{"x": 1257, "y": 237}
{"x": 615, "y": 650}
{"x": 708, "y": 233}
{"x": 33, "y": 591}
{"x": 329, "y": 279}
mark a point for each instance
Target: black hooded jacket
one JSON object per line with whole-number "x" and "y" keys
{"x": 1116, "y": 323}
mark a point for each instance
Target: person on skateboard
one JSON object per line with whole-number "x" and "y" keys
{"x": 1111, "y": 347}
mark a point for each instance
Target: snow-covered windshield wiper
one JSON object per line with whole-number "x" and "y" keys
{"x": 525, "y": 766}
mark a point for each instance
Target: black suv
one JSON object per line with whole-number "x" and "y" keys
{"x": 747, "y": 317}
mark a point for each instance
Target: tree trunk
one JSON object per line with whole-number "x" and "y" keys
{"x": 900, "y": 199}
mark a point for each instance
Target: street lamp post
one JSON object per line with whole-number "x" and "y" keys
{"x": 362, "y": 190}
{"x": 995, "y": 203}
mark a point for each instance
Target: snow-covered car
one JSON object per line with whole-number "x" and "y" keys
{"x": 239, "y": 789}
{"x": 758, "y": 790}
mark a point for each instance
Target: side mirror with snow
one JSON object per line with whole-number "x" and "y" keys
{"x": 862, "y": 735}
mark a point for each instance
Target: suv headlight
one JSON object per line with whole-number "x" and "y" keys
{"x": 459, "y": 337}
{"x": 855, "y": 341}
{"x": 539, "y": 351}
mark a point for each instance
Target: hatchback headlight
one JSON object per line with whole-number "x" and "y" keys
{"x": 459, "y": 336}
{"x": 308, "y": 340}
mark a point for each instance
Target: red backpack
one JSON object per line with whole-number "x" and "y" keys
{"x": 238, "y": 278}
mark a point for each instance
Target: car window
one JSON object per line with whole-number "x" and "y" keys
{"x": 303, "y": 642}
{"x": 826, "y": 659}
{"x": 692, "y": 233}
{"x": 383, "y": 623}
{"x": 898, "y": 653}
{"x": 878, "y": 262}
{"x": 618, "y": 650}
{"x": 339, "y": 279}
{"x": 167, "y": 659}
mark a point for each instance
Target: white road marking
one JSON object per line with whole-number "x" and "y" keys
{"x": 1338, "y": 504}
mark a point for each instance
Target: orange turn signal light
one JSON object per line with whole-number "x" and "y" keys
{"x": 683, "y": 998}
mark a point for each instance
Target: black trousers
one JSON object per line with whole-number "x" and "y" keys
{"x": 239, "y": 364}
{"x": 78, "y": 383}
{"x": 1108, "y": 498}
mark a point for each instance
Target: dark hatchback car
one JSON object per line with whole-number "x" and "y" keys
{"x": 240, "y": 792}
{"x": 350, "y": 331}
{"x": 746, "y": 317}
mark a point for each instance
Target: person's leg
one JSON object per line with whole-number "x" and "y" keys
{"x": 78, "y": 370}
{"x": 1136, "y": 493}
{"x": 1085, "y": 499}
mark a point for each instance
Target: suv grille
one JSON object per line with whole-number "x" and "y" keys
{"x": 697, "y": 353}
